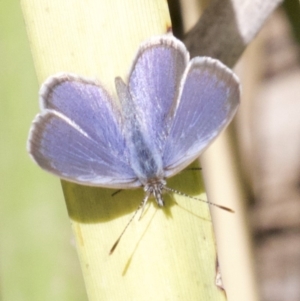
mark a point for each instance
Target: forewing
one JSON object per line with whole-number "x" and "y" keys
{"x": 78, "y": 135}
{"x": 153, "y": 84}
{"x": 87, "y": 104}
{"x": 209, "y": 98}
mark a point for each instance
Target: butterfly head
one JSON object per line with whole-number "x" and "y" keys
{"x": 155, "y": 188}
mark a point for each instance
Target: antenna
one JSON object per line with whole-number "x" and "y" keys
{"x": 141, "y": 205}
{"x": 191, "y": 197}
{"x": 144, "y": 202}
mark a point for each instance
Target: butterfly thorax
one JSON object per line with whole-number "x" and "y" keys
{"x": 144, "y": 156}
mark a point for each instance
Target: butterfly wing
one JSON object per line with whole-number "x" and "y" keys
{"x": 153, "y": 84}
{"x": 78, "y": 136}
{"x": 209, "y": 98}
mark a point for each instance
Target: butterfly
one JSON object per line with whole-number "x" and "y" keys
{"x": 167, "y": 113}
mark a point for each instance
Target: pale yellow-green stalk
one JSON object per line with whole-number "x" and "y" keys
{"x": 170, "y": 253}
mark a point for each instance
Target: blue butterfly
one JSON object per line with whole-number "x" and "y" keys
{"x": 170, "y": 109}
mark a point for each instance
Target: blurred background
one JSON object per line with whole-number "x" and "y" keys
{"x": 268, "y": 138}
{"x": 38, "y": 257}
